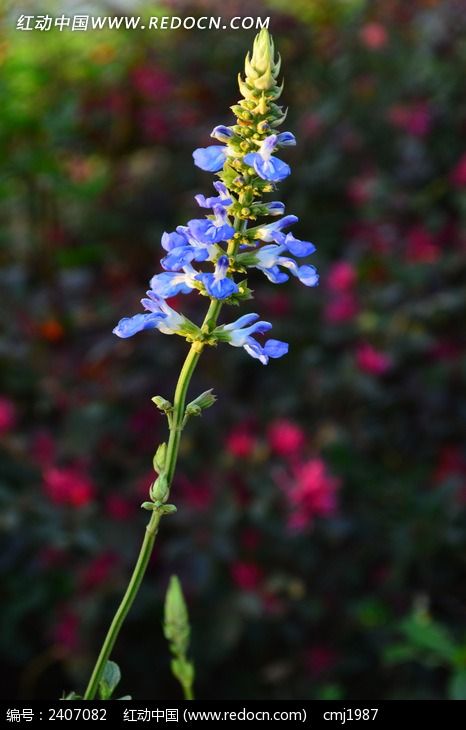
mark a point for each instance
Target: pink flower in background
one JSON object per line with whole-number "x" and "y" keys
{"x": 360, "y": 190}
{"x": 451, "y": 461}
{"x": 250, "y": 538}
{"x": 451, "y": 465}
{"x": 342, "y": 276}
{"x": 285, "y": 437}
{"x": 343, "y": 305}
{"x": 152, "y": 82}
{"x": 241, "y": 442}
{"x": 68, "y": 486}
{"x": 43, "y": 448}
{"x": 372, "y": 361}
{"x": 98, "y": 571}
{"x": 8, "y": 415}
{"x": 246, "y": 575}
{"x": 320, "y": 659}
{"x": 119, "y": 508}
{"x": 341, "y": 309}
{"x": 415, "y": 118}
{"x": 51, "y": 557}
{"x": 311, "y": 125}
{"x": 421, "y": 247}
{"x": 458, "y": 174}
{"x": 275, "y": 303}
{"x": 373, "y": 36}
{"x": 311, "y": 491}
{"x": 154, "y": 125}
{"x": 65, "y": 633}
{"x": 446, "y": 350}
{"x": 197, "y": 495}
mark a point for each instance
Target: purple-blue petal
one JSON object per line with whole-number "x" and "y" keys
{"x": 272, "y": 169}
{"x": 129, "y": 326}
{"x": 169, "y": 284}
{"x": 276, "y": 348}
{"x": 178, "y": 257}
{"x": 210, "y": 159}
{"x": 218, "y": 288}
{"x": 308, "y": 275}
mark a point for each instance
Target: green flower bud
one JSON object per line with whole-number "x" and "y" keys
{"x": 203, "y": 401}
{"x": 162, "y": 404}
{"x": 159, "y": 458}
{"x": 159, "y": 489}
{"x": 262, "y": 53}
{"x": 176, "y": 620}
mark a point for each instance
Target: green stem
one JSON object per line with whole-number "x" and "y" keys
{"x": 127, "y": 601}
{"x": 176, "y": 427}
{"x": 188, "y": 692}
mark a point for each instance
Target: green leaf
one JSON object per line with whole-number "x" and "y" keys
{"x": 457, "y": 686}
{"x": 110, "y": 679}
{"x": 400, "y": 653}
{"x": 424, "y": 633}
{"x": 72, "y": 696}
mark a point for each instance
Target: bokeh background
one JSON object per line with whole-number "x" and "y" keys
{"x": 321, "y": 533}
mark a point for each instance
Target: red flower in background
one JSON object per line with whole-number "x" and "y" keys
{"x": 68, "y": 486}
{"x": 98, "y": 571}
{"x": 372, "y": 361}
{"x": 119, "y": 508}
{"x": 342, "y": 309}
{"x": 43, "y": 448}
{"x": 65, "y": 633}
{"x": 246, "y": 575}
{"x": 343, "y": 305}
{"x": 285, "y": 437}
{"x": 152, "y": 82}
{"x": 8, "y": 415}
{"x": 373, "y": 36}
{"x": 320, "y": 659}
{"x": 414, "y": 118}
{"x": 197, "y": 495}
{"x": 421, "y": 247}
{"x": 241, "y": 442}
{"x": 311, "y": 492}
{"x": 452, "y": 466}
{"x": 342, "y": 277}
{"x": 458, "y": 174}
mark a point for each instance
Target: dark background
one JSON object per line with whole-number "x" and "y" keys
{"x": 321, "y": 533}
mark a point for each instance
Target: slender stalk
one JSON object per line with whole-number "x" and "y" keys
{"x": 188, "y": 692}
{"x": 176, "y": 427}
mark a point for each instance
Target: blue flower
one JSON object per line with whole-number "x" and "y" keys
{"x": 239, "y": 334}
{"x": 170, "y": 283}
{"x": 268, "y": 232}
{"x": 275, "y": 207}
{"x": 128, "y": 326}
{"x": 180, "y": 251}
{"x": 222, "y": 199}
{"x": 294, "y": 245}
{"x": 268, "y": 259}
{"x": 209, "y": 231}
{"x": 160, "y": 316}
{"x": 222, "y": 133}
{"x": 218, "y": 285}
{"x": 210, "y": 159}
{"x": 171, "y": 322}
{"x": 265, "y": 165}
{"x": 286, "y": 139}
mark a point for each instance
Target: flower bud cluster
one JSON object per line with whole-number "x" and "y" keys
{"x": 206, "y": 255}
